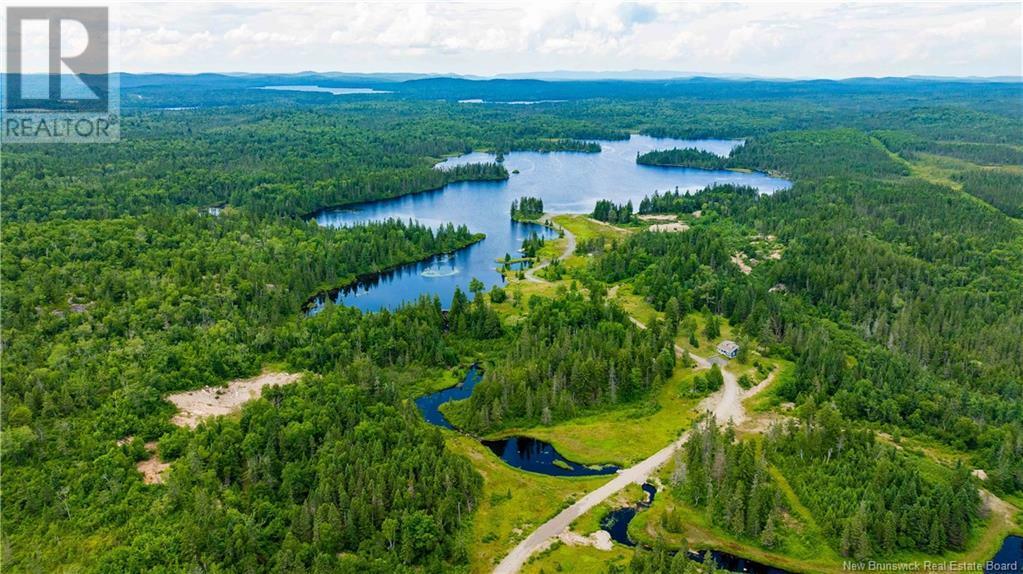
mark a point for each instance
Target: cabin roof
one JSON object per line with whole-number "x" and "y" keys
{"x": 728, "y": 346}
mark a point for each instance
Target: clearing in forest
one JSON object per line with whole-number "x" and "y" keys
{"x": 193, "y": 406}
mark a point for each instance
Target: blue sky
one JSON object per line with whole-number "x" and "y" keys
{"x": 819, "y": 39}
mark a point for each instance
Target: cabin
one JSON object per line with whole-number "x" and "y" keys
{"x": 728, "y": 348}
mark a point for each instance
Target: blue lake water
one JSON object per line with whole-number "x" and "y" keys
{"x": 567, "y": 182}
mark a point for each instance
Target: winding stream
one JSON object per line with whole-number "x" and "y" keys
{"x": 521, "y": 452}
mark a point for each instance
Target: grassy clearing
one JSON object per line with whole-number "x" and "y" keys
{"x": 626, "y": 435}
{"x": 583, "y": 227}
{"x": 578, "y": 559}
{"x": 768, "y": 400}
{"x": 634, "y": 304}
{"x": 517, "y": 305}
{"x": 513, "y": 502}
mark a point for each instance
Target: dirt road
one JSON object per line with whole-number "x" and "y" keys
{"x": 726, "y": 404}
{"x": 565, "y": 253}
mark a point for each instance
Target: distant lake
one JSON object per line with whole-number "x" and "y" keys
{"x": 328, "y": 90}
{"x": 568, "y": 182}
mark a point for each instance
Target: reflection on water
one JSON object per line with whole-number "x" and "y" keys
{"x": 568, "y": 182}
{"x": 539, "y": 456}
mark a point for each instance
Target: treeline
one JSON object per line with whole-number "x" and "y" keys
{"x": 570, "y": 354}
{"x": 909, "y": 146}
{"x": 731, "y": 481}
{"x": 532, "y": 244}
{"x": 475, "y": 172}
{"x": 475, "y": 319}
{"x": 609, "y": 212}
{"x": 803, "y": 154}
{"x": 526, "y": 208}
{"x": 561, "y": 144}
{"x": 870, "y": 500}
{"x": 723, "y": 199}
{"x": 938, "y": 289}
{"x": 817, "y": 154}
{"x": 683, "y": 157}
{"x": 1000, "y": 187}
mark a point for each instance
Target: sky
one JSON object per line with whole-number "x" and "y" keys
{"x": 793, "y": 40}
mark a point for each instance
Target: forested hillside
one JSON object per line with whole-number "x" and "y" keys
{"x": 888, "y": 279}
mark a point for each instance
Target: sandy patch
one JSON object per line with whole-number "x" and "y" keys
{"x": 996, "y": 505}
{"x": 152, "y": 468}
{"x": 193, "y": 406}
{"x": 676, "y": 227}
{"x": 601, "y": 539}
{"x": 698, "y": 213}
{"x": 740, "y": 260}
{"x": 979, "y": 473}
{"x": 662, "y": 217}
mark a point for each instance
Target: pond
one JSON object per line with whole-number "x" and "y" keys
{"x": 567, "y": 182}
{"x": 1009, "y": 557}
{"x": 520, "y": 452}
{"x": 616, "y": 522}
{"x": 539, "y": 456}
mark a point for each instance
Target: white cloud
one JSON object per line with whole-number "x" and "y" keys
{"x": 793, "y": 40}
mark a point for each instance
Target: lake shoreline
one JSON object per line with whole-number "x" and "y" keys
{"x": 332, "y": 293}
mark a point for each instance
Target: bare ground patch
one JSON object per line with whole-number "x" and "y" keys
{"x": 740, "y": 260}
{"x": 601, "y": 539}
{"x": 152, "y": 468}
{"x": 193, "y": 406}
{"x": 662, "y": 218}
{"x": 676, "y": 227}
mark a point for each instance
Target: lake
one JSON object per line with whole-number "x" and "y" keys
{"x": 568, "y": 182}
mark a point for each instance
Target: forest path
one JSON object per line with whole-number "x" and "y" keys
{"x": 725, "y": 404}
{"x": 565, "y": 253}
